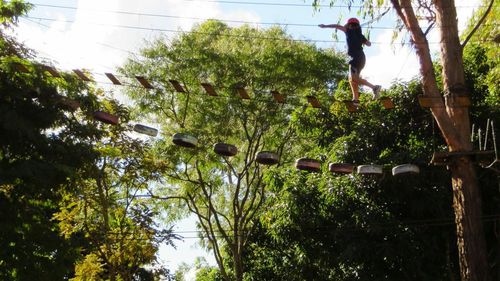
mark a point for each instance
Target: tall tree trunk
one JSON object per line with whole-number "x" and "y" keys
{"x": 470, "y": 235}
{"x": 466, "y": 196}
{"x": 453, "y": 121}
{"x": 237, "y": 248}
{"x": 238, "y": 264}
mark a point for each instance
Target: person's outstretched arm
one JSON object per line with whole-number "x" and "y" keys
{"x": 336, "y": 26}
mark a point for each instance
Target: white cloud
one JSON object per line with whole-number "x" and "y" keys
{"x": 80, "y": 44}
{"x": 465, "y": 11}
{"x": 386, "y": 63}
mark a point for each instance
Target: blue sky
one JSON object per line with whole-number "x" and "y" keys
{"x": 85, "y": 34}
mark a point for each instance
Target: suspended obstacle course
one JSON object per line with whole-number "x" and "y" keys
{"x": 304, "y": 163}
{"x": 73, "y": 105}
{"x": 145, "y": 83}
{"x": 269, "y": 157}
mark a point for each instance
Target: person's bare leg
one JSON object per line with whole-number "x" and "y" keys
{"x": 354, "y": 89}
{"x": 360, "y": 81}
{"x": 353, "y": 81}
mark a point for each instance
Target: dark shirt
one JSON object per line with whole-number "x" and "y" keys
{"x": 355, "y": 40}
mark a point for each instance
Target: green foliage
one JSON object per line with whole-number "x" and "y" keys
{"x": 483, "y": 47}
{"x": 324, "y": 227}
{"x": 42, "y": 147}
{"x": 108, "y": 210}
{"x": 479, "y": 69}
{"x": 203, "y": 271}
{"x": 10, "y": 11}
{"x": 68, "y": 183}
{"x": 321, "y": 227}
{"x": 412, "y": 214}
{"x": 89, "y": 269}
{"x": 66, "y": 180}
{"x": 226, "y": 193}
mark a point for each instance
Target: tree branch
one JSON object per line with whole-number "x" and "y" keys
{"x": 211, "y": 206}
{"x": 478, "y": 24}
{"x": 211, "y": 237}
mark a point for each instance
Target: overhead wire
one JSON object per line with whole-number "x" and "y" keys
{"x": 188, "y": 32}
{"x": 190, "y": 18}
{"x": 291, "y": 4}
{"x": 143, "y": 14}
{"x": 215, "y": 34}
{"x": 294, "y": 4}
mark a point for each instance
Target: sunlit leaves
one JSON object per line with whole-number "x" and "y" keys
{"x": 227, "y": 192}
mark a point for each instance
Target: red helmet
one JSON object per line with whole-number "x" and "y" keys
{"x": 353, "y": 20}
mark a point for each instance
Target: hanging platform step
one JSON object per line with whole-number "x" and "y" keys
{"x": 82, "y": 75}
{"x": 113, "y": 78}
{"x": 51, "y": 70}
{"x": 267, "y": 158}
{"x": 446, "y": 158}
{"x": 405, "y": 169}
{"x": 144, "y": 82}
{"x": 278, "y": 97}
{"x": 19, "y": 67}
{"x": 351, "y": 105}
{"x": 370, "y": 170}
{"x": 177, "y": 86}
{"x": 308, "y": 164}
{"x": 225, "y": 149}
{"x": 386, "y": 102}
{"x": 145, "y": 130}
{"x": 313, "y": 101}
{"x": 184, "y": 140}
{"x": 106, "y": 117}
{"x": 341, "y": 168}
{"x": 209, "y": 89}
{"x": 242, "y": 92}
{"x": 68, "y": 103}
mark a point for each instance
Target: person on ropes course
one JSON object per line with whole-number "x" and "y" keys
{"x": 355, "y": 42}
